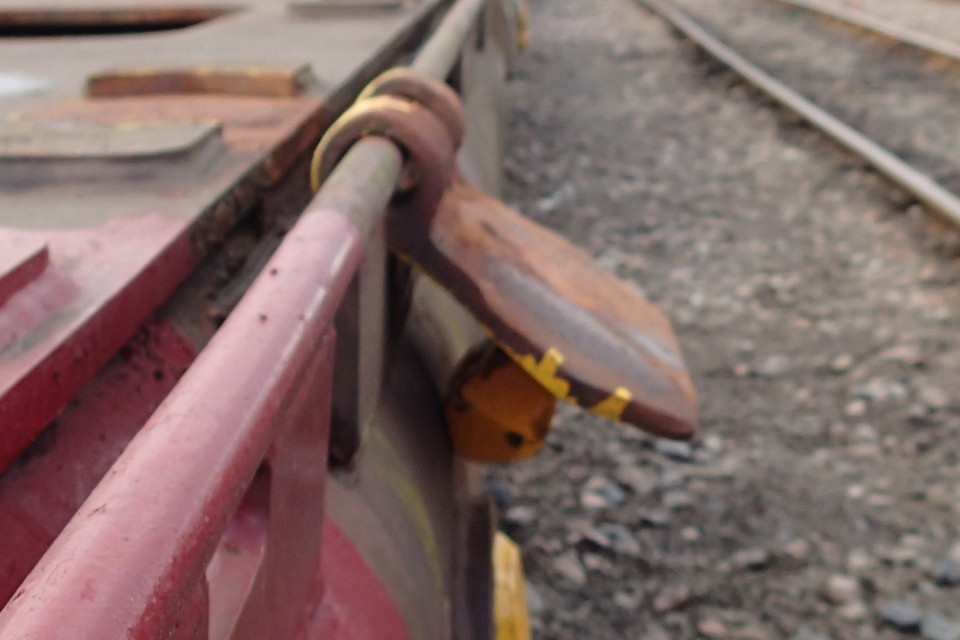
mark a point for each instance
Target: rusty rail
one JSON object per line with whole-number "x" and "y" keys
{"x": 938, "y": 199}
{"x": 905, "y": 35}
{"x": 151, "y": 553}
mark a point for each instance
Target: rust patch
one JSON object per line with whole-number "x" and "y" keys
{"x": 248, "y": 123}
{"x": 55, "y": 21}
{"x": 583, "y": 334}
{"x": 263, "y": 81}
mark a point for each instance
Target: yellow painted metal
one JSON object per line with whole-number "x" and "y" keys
{"x": 510, "y": 612}
{"x": 612, "y": 408}
{"x": 500, "y": 413}
{"x": 523, "y": 25}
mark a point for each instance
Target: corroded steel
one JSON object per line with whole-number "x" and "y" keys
{"x": 584, "y": 335}
{"x": 437, "y": 96}
{"x": 420, "y": 134}
{"x": 276, "y": 81}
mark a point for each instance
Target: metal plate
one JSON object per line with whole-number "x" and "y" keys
{"x": 585, "y": 335}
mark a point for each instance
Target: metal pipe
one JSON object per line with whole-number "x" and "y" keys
{"x": 926, "y": 190}
{"x": 362, "y": 183}
{"x": 440, "y": 52}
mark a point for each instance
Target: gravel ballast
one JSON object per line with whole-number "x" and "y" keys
{"x": 818, "y": 309}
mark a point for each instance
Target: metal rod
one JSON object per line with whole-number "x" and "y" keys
{"x": 934, "y": 196}
{"x": 440, "y": 52}
{"x": 362, "y": 183}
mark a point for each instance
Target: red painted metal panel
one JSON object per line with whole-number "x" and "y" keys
{"x": 45, "y": 486}
{"x": 21, "y": 261}
{"x": 131, "y": 558}
{"x": 356, "y": 605}
{"x": 100, "y": 286}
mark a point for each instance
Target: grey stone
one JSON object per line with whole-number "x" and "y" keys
{"x": 937, "y": 627}
{"x": 569, "y": 566}
{"x": 671, "y": 599}
{"x": 774, "y": 366}
{"x": 882, "y": 390}
{"x": 676, "y": 500}
{"x": 500, "y": 493}
{"x": 902, "y": 616}
{"x": 674, "y": 449}
{"x": 751, "y": 559}
{"x": 641, "y": 480}
{"x": 535, "y": 602}
{"x": 672, "y": 479}
{"x": 621, "y": 540}
{"x": 628, "y": 600}
{"x": 946, "y": 572}
{"x": 842, "y": 363}
{"x": 655, "y": 632}
{"x": 599, "y": 492}
{"x": 931, "y": 395}
{"x": 614, "y": 494}
{"x": 655, "y": 517}
{"x": 520, "y": 516}
{"x": 843, "y": 589}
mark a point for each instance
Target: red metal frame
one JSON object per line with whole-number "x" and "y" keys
{"x": 146, "y": 555}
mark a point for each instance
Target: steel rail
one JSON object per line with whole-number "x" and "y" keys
{"x": 364, "y": 180}
{"x": 938, "y": 199}
{"x": 904, "y": 35}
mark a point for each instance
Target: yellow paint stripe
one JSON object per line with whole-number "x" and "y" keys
{"x": 510, "y": 612}
{"x": 612, "y": 408}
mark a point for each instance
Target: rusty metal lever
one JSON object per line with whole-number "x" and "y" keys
{"x": 586, "y": 336}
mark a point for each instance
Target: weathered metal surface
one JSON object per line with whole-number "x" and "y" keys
{"x": 584, "y": 335}
{"x": 263, "y": 137}
{"x": 129, "y": 559}
{"x": 420, "y": 134}
{"x": 398, "y": 500}
{"x": 22, "y": 260}
{"x": 45, "y": 486}
{"x": 210, "y": 521}
{"x": 59, "y": 19}
{"x": 356, "y": 605}
{"x": 262, "y": 80}
{"x": 34, "y": 155}
{"x": 61, "y": 328}
{"x": 339, "y": 8}
{"x": 436, "y": 95}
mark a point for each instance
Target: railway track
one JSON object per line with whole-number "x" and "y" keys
{"x": 883, "y": 98}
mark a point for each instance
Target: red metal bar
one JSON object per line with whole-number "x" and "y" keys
{"x": 129, "y": 563}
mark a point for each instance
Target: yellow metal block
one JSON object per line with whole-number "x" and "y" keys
{"x": 510, "y": 612}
